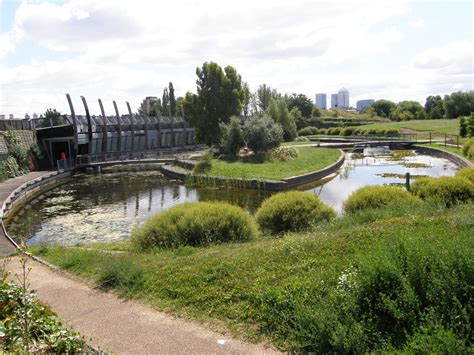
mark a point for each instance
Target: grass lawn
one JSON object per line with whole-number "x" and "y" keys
{"x": 448, "y": 149}
{"x": 424, "y": 126}
{"x": 309, "y": 159}
{"x": 288, "y": 289}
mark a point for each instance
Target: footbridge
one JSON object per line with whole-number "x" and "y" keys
{"x": 401, "y": 141}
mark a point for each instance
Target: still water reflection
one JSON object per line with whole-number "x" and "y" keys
{"x": 102, "y": 208}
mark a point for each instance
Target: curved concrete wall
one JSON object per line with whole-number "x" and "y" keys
{"x": 455, "y": 159}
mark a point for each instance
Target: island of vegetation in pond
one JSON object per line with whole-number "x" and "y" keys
{"x": 308, "y": 159}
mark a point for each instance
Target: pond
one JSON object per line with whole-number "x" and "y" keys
{"x": 106, "y": 207}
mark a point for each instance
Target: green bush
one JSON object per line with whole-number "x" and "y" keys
{"x": 466, "y": 173}
{"x": 284, "y": 153}
{"x": 446, "y": 190}
{"x": 195, "y": 224}
{"x": 204, "y": 165}
{"x": 349, "y": 131}
{"x": 232, "y": 137}
{"x": 377, "y": 196}
{"x": 292, "y": 211}
{"x": 301, "y": 139}
{"x": 308, "y": 131}
{"x": 391, "y": 131}
{"x": 262, "y": 134}
{"x": 322, "y": 130}
{"x": 9, "y": 168}
{"x": 466, "y": 148}
{"x": 334, "y": 131}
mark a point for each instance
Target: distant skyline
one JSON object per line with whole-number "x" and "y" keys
{"x": 126, "y": 50}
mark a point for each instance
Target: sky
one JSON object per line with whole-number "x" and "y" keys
{"x": 126, "y": 50}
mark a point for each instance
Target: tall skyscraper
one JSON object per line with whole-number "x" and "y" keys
{"x": 321, "y": 101}
{"x": 361, "y": 104}
{"x": 334, "y": 101}
{"x": 343, "y": 98}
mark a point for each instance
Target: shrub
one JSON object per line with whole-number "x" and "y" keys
{"x": 466, "y": 147}
{"x": 447, "y": 190}
{"x": 195, "y": 224}
{"x": 376, "y": 197}
{"x": 391, "y": 131}
{"x": 284, "y": 153}
{"x": 262, "y": 134}
{"x": 308, "y": 131}
{"x": 292, "y": 211}
{"x": 322, "y": 130}
{"x": 334, "y": 131}
{"x": 347, "y": 131}
{"x": 204, "y": 164}
{"x": 16, "y": 149}
{"x": 232, "y": 137}
{"x": 9, "y": 168}
{"x": 301, "y": 139}
{"x": 466, "y": 173}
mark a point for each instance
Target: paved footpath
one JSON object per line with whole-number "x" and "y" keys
{"x": 123, "y": 326}
{"x": 6, "y": 188}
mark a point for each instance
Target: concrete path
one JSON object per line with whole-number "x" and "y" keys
{"x": 122, "y": 326}
{"x": 6, "y": 188}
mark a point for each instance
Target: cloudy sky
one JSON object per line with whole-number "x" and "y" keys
{"x": 126, "y": 50}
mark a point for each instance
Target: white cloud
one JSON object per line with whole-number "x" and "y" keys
{"x": 6, "y": 44}
{"x": 417, "y": 24}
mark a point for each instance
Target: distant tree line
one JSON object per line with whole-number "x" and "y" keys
{"x": 454, "y": 105}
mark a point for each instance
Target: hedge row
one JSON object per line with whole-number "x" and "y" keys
{"x": 345, "y": 132}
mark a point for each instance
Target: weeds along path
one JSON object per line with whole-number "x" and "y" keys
{"x": 122, "y": 326}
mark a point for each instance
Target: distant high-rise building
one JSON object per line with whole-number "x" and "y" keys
{"x": 334, "y": 101}
{"x": 361, "y": 104}
{"x": 149, "y": 102}
{"x": 343, "y": 98}
{"x": 321, "y": 101}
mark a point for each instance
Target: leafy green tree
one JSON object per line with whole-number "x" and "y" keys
{"x": 265, "y": 94}
{"x": 407, "y": 110}
{"x": 219, "y": 96}
{"x": 246, "y": 99}
{"x": 232, "y": 137}
{"x": 52, "y": 117}
{"x": 383, "y": 108}
{"x": 459, "y": 104}
{"x": 278, "y": 111}
{"x": 470, "y": 125}
{"x": 165, "y": 101}
{"x": 300, "y": 121}
{"x": 179, "y": 106}
{"x": 262, "y": 134}
{"x": 434, "y": 107}
{"x": 302, "y": 102}
{"x": 172, "y": 99}
{"x": 462, "y": 127}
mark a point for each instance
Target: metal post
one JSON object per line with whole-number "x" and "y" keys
{"x": 430, "y": 138}
{"x": 407, "y": 181}
{"x": 105, "y": 134}
{"x": 457, "y": 142}
{"x": 119, "y": 128}
{"x": 74, "y": 124}
{"x": 89, "y": 122}
{"x": 132, "y": 125}
{"x": 445, "y": 138}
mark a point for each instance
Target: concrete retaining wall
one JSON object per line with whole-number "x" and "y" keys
{"x": 258, "y": 184}
{"x": 455, "y": 159}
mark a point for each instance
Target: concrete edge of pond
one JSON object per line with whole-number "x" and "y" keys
{"x": 257, "y": 184}
{"x": 453, "y": 158}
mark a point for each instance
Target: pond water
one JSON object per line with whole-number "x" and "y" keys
{"x": 104, "y": 208}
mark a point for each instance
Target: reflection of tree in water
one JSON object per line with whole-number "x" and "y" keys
{"x": 247, "y": 199}
{"x": 347, "y": 168}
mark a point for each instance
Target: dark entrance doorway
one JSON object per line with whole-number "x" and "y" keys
{"x": 59, "y": 150}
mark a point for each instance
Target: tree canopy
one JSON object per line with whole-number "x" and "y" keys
{"x": 219, "y": 96}
{"x": 459, "y": 104}
{"x": 302, "y": 102}
{"x": 407, "y": 110}
{"x": 278, "y": 111}
{"x": 382, "y": 107}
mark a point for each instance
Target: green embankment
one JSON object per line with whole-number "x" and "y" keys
{"x": 309, "y": 159}
{"x": 448, "y": 126}
{"x": 313, "y": 291}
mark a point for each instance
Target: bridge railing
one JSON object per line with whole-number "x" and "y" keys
{"x": 88, "y": 159}
{"x": 386, "y": 137}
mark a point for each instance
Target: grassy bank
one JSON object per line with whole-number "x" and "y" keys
{"x": 309, "y": 159}
{"x": 423, "y": 126}
{"x": 453, "y": 150}
{"x": 305, "y": 291}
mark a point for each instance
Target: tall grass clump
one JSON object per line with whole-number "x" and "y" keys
{"x": 195, "y": 224}
{"x": 204, "y": 165}
{"x": 466, "y": 173}
{"x": 292, "y": 211}
{"x": 468, "y": 148}
{"x": 376, "y": 197}
{"x": 446, "y": 190}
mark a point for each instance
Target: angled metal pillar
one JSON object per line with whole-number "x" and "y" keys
{"x": 132, "y": 125}
{"x": 89, "y": 123}
{"x": 172, "y": 124}
{"x": 146, "y": 120}
{"x": 74, "y": 123}
{"x": 119, "y": 128}
{"x": 105, "y": 134}
{"x": 158, "y": 116}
